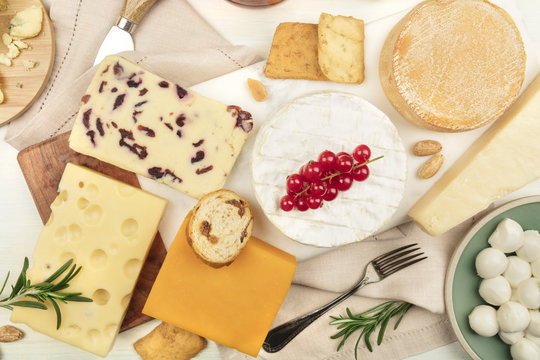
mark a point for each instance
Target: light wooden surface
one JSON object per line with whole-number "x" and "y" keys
{"x": 20, "y": 221}
{"x": 17, "y": 99}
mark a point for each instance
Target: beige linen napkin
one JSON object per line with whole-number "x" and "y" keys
{"x": 172, "y": 40}
{"x": 321, "y": 279}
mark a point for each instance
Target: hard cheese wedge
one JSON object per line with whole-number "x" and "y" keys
{"x": 140, "y": 122}
{"x": 107, "y": 227}
{"x": 233, "y": 305}
{"x": 505, "y": 158}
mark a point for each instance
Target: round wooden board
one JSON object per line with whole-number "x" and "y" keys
{"x": 17, "y": 100}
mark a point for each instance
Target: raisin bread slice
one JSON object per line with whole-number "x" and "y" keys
{"x": 219, "y": 228}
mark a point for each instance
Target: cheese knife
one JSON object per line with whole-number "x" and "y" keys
{"x": 119, "y": 37}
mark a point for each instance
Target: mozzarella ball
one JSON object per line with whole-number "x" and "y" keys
{"x": 511, "y": 338}
{"x": 525, "y": 349}
{"x": 529, "y": 293}
{"x": 483, "y": 320}
{"x": 534, "y": 339}
{"x": 534, "y": 324}
{"x": 517, "y": 271}
{"x": 490, "y": 262}
{"x": 535, "y": 267}
{"x": 530, "y": 250}
{"x": 513, "y": 317}
{"x": 495, "y": 291}
{"x": 507, "y": 237}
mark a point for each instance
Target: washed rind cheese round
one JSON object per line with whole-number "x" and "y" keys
{"x": 297, "y": 133}
{"x": 453, "y": 65}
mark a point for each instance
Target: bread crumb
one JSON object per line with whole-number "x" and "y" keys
{"x": 1, "y": 96}
{"x": 257, "y": 90}
{"x": 5, "y": 60}
{"x": 29, "y": 64}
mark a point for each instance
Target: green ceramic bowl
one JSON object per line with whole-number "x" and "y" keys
{"x": 461, "y": 288}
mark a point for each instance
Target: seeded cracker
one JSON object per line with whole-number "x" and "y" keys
{"x": 293, "y": 54}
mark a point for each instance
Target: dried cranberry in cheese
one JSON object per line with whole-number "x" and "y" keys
{"x": 138, "y": 121}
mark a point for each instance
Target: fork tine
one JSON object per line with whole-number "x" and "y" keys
{"x": 380, "y": 257}
{"x": 389, "y": 266}
{"x": 396, "y": 256}
{"x": 404, "y": 266}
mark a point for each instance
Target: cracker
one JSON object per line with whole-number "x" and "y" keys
{"x": 341, "y": 48}
{"x": 167, "y": 342}
{"x": 293, "y": 54}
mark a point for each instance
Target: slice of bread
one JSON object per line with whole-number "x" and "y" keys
{"x": 220, "y": 227}
{"x": 341, "y": 48}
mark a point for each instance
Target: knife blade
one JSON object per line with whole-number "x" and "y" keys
{"x": 119, "y": 37}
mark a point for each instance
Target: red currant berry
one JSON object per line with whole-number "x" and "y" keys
{"x": 295, "y": 183}
{"x": 316, "y": 188}
{"x": 344, "y": 163}
{"x": 301, "y": 204}
{"x": 331, "y": 193}
{"x": 344, "y": 182}
{"x": 287, "y": 203}
{"x": 314, "y": 202}
{"x": 362, "y": 153}
{"x": 360, "y": 173}
{"x": 327, "y": 159}
{"x": 313, "y": 171}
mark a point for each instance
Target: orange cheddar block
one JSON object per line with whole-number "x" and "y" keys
{"x": 234, "y": 305}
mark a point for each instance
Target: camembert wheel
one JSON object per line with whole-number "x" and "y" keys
{"x": 453, "y": 65}
{"x": 299, "y": 132}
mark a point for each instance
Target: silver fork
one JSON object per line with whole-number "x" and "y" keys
{"x": 376, "y": 270}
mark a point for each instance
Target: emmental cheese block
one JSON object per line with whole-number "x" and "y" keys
{"x": 234, "y": 305}
{"x": 505, "y": 158}
{"x": 106, "y": 227}
{"x": 140, "y": 122}
{"x": 453, "y": 65}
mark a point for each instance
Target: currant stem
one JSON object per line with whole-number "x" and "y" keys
{"x": 354, "y": 167}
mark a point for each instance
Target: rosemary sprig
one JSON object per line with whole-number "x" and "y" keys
{"x": 367, "y": 322}
{"x": 44, "y": 291}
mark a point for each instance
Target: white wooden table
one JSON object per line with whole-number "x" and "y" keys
{"x": 19, "y": 219}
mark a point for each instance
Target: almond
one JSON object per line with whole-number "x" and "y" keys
{"x": 426, "y": 147}
{"x": 10, "y": 333}
{"x": 431, "y": 166}
{"x": 257, "y": 89}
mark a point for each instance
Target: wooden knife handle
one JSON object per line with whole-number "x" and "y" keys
{"x": 134, "y": 10}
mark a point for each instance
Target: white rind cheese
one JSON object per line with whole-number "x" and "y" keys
{"x": 299, "y": 132}
{"x": 143, "y": 123}
{"x": 106, "y": 227}
{"x": 505, "y": 158}
{"x": 453, "y": 65}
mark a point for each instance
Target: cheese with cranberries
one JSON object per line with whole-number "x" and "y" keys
{"x": 298, "y": 133}
{"x": 140, "y": 122}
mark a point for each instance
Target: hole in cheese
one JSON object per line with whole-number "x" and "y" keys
{"x": 129, "y": 227}
{"x": 93, "y": 214}
{"x": 125, "y": 301}
{"x": 72, "y": 330}
{"x": 61, "y": 234}
{"x": 93, "y": 336}
{"x": 75, "y": 232}
{"x": 125, "y": 190}
{"x": 81, "y": 184}
{"x": 61, "y": 198}
{"x": 92, "y": 190}
{"x": 111, "y": 329}
{"x": 132, "y": 267}
{"x": 98, "y": 258}
{"x": 82, "y": 203}
{"x": 101, "y": 297}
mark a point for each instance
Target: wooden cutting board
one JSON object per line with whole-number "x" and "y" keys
{"x": 43, "y": 165}
{"x": 18, "y": 99}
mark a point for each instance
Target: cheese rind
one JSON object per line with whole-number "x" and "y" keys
{"x": 453, "y": 65}
{"x": 505, "y": 158}
{"x": 106, "y": 227}
{"x": 140, "y": 122}
{"x": 234, "y": 305}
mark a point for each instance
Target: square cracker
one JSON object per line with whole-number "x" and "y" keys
{"x": 293, "y": 54}
{"x": 341, "y": 48}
